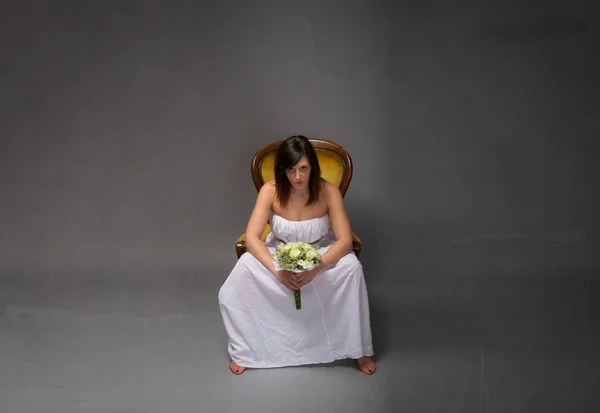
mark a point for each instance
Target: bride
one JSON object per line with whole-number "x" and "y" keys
{"x": 257, "y": 301}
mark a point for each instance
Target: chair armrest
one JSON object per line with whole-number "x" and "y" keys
{"x": 356, "y": 245}
{"x": 240, "y": 243}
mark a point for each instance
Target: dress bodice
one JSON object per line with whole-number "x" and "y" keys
{"x": 310, "y": 231}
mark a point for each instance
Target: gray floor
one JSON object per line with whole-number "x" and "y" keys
{"x": 512, "y": 339}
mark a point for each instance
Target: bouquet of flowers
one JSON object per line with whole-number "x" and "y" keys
{"x": 296, "y": 257}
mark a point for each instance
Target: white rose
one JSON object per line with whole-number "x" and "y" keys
{"x": 294, "y": 253}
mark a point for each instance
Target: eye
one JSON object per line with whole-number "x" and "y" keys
{"x": 304, "y": 168}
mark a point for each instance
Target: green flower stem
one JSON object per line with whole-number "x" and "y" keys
{"x": 298, "y": 302}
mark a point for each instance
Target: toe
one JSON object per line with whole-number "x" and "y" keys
{"x": 366, "y": 365}
{"x": 236, "y": 369}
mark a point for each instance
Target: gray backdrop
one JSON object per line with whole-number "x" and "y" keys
{"x": 127, "y": 129}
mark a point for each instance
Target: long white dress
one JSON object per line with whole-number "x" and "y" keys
{"x": 265, "y": 329}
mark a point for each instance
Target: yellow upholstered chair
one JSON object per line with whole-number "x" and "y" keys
{"x": 335, "y": 164}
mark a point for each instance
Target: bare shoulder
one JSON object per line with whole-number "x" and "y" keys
{"x": 331, "y": 191}
{"x": 337, "y": 213}
{"x": 267, "y": 191}
{"x": 269, "y": 186}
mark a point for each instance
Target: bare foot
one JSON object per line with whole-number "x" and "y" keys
{"x": 235, "y": 369}
{"x": 366, "y": 364}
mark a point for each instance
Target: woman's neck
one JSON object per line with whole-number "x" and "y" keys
{"x": 299, "y": 194}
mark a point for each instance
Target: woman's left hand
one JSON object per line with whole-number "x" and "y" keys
{"x": 303, "y": 278}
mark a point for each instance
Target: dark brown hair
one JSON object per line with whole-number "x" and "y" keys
{"x": 289, "y": 154}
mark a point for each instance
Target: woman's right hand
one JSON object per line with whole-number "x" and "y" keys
{"x": 288, "y": 279}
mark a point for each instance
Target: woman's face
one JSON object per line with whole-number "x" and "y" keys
{"x": 299, "y": 174}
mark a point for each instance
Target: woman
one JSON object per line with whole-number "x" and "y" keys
{"x": 257, "y": 304}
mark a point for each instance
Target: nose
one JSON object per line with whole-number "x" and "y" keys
{"x": 298, "y": 175}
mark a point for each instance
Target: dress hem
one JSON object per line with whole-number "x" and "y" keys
{"x": 298, "y": 364}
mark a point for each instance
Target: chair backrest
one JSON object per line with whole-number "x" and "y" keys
{"x": 335, "y": 163}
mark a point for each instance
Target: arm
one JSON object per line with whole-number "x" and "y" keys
{"x": 256, "y": 226}
{"x": 343, "y": 236}
{"x": 341, "y": 228}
